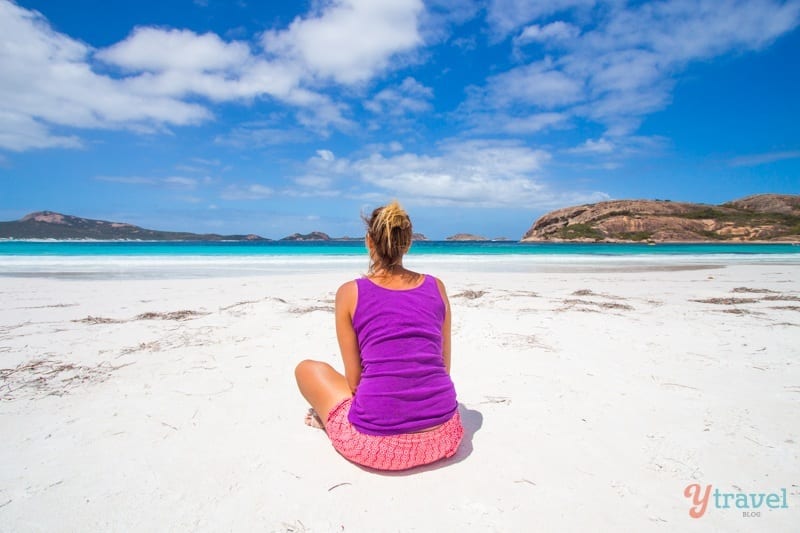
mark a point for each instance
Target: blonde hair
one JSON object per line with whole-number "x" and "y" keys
{"x": 389, "y": 228}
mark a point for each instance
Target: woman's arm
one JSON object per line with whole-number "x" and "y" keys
{"x": 446, "y": 326}
{"x": 346, "y": 298}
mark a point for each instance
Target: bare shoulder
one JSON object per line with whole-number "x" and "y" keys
{"x": 442, "y": 288}
{"x": 347, "y": 291}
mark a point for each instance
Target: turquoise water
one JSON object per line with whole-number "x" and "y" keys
{"x": 132, "y": 260}
{"x": 356, "y": 248}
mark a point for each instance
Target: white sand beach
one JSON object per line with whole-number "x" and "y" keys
{"x": 591, "y": 399}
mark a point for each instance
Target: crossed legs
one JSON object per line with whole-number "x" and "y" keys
{"x": 322, "y": 386}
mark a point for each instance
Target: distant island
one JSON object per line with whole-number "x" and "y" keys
{"x": 313, "y": 236}
{"x": 321, "y": 236}
{"x": 51, "y": 225}
{"x": 762, "y": 218}
{"x": 466, "y": 237}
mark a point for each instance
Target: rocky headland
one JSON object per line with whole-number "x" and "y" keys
{"x": 759, "y": 218}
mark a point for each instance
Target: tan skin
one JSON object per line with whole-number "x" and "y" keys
{"x": 322, "y": 385}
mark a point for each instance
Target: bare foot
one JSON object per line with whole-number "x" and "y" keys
{"x": 313, "y": 420}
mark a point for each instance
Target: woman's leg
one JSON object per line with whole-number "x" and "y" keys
{"x": 322, "y": 386}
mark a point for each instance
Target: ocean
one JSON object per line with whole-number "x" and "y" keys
{"x": 137, "y": 259}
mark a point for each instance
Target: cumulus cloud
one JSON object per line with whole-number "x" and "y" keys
{"x": 160, "y": 50}
{"x": 555, "y": 31}
{"x": 540, "y": 84}
{"x": 47, "y": 81}
{"x": 409, "y": 97}
{"x": 19, "y": 132}
{"x": 349, "y": 40}
{"x": 151, "y": 80}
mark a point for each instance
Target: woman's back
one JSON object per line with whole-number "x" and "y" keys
{"x": 404, "y": 384}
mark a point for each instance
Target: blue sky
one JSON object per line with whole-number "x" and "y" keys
{"x": 479, "y": 116}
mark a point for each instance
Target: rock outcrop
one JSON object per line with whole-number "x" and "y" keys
{"x": 766, "y": 217}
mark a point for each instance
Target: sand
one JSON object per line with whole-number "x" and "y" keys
{"x": 590, "y": 399}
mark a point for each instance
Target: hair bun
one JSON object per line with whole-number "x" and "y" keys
{"x": 390, "y": 229}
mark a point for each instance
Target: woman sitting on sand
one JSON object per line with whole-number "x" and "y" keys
{"x": 395, "y": 406}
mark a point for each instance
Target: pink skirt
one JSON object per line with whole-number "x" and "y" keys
{"x": 392, "y": 452}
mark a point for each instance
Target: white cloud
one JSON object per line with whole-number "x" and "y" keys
{"x": 517, "y": 125}
{"x": 247, "y": 192}
{"x": 349, "y": 41}
{"x": 505, "y": 16}
{"x": 326, "y": 155}
{"x": 174, "y": 182}
{"x": 440, "y": 16}
{"x": 539, "y": 84}
{"x": 763, "y": 159}
{"x": 555, "y": 31}
{"x": 19, "y": 132}
{"x": 179, "y": 181}
{"x": 261, "y": 134}
{"x": 410, "y": 97}
{"x": 130, "y": 180}
{"x": 315, "y": 182}
{"x": 160, "y": 50}
{"x": 591, "y": 146}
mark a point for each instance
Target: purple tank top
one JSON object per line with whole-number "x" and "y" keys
{"x": 404, "y": 386}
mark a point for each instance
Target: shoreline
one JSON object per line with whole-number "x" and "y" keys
{"x": 122, "y": 267}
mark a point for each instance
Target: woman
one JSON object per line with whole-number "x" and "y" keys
{"x": 395, "y": 406}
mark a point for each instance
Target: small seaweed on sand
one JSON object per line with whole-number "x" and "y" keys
{"x": 739, "y": 311}
{"x": 470, "y": 294}
{"x": 583, "y": 292}
{"x": 726, "y": 301}
{"x": 174, "y": 315}
{"x": 48, "y": 377}
{"x": 781, "y": 298}
{"x": 602, "y": 305}
{"x": 311, "y": 309}
{"x": 98, "y": 320}
{"x": 755, "y": 291}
